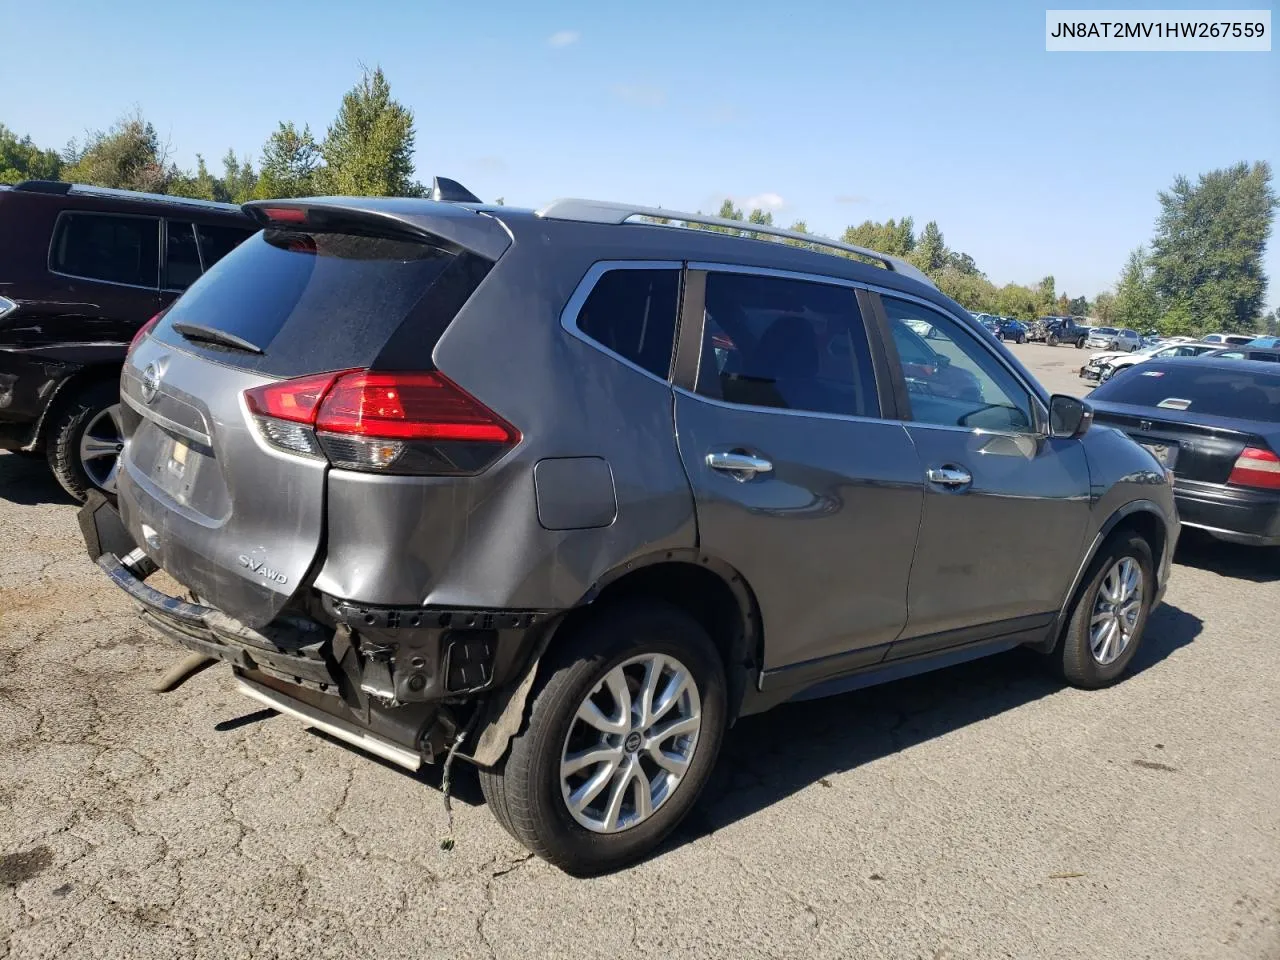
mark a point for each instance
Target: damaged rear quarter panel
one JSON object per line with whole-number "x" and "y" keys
{"x": 478, "y": 541}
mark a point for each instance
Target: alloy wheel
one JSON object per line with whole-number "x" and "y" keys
{"x": 100, "y": 448}
{"x": 1116, "y": 611}
{"x": 630, "y": 743}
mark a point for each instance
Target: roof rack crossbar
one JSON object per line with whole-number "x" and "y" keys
{"x": 596, "y": 211}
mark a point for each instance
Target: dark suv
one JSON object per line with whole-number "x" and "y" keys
{"x": 81, "y": 269}
{"x": 566, "y": 494}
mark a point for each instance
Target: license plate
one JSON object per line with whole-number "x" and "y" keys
{"x": 1165, "y": 453}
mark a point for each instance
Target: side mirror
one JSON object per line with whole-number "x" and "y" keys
{"x": 1069, "y": 417}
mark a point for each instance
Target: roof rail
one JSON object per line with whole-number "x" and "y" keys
{"x": 63, "y": 188}
{"x": 43, "y": 186}
{"x": 598, "y": 211}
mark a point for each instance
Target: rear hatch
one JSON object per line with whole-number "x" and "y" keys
{"x": 230, "y": 503}
{"x": 1195, "y": 417}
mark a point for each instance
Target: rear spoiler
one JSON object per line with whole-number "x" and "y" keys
{"x": 445, "y": 224}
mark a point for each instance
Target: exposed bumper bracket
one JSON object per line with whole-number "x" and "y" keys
{"x": 334, "y": 726}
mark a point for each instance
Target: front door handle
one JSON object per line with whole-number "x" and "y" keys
{"x": 741, "y": 466}
{"x": 950, "y": 476}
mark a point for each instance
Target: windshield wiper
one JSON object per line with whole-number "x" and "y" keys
{"x": 199, "y": 333}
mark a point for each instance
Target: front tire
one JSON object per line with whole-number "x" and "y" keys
{"x": 624, "y": 730}
{"x": 1110, "y": 614}
{"x": 1052, "y": 340}
{"x": 85, "y": 440}
{"x": 1022, "y": 338}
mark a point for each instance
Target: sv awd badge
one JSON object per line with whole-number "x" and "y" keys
{"x": 262, "y": 570}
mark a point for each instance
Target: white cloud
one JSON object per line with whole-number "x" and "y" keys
{"x": 564, "y": 38}
{"x": 763, "y": 201}
{"x": 640, "y": 95}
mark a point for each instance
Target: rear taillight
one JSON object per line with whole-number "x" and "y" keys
{"x": 1256, "y": 467}
{"x": 409, "y": 406}
{"x": 414, "y": 422}
{"x": 143, "y": 330}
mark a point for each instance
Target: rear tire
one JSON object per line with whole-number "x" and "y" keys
{"x": 90, "y": 407}
{"x": 1085, "y": 657}
{"x": 528, "y": 789}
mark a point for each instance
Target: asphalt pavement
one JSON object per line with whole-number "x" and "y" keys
{"x": 984, "y": 811}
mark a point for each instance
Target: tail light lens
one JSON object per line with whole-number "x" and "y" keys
{"x": 141, "y": 335}
{"x": 1256, "y": 467}
{"x": 420, "y": 423}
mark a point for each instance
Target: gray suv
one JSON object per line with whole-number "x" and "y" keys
{"x": 565, "y": 494}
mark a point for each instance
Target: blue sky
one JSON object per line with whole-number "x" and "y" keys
{"x": 830, "y": 112}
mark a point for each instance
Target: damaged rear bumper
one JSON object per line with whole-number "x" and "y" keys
{"x": 388, "y": 680}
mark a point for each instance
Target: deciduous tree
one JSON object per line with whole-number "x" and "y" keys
{"x": 21, "y": 159}
{"x": 1206, "y": 258}
{"x": 129, "y": 156}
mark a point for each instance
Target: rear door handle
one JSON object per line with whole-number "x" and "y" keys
{"x": 741, "y": 466}
{"x": 950, "y": 476}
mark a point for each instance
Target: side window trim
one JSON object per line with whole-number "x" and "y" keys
{"x": 1038, "y": 406}
{"x": 65, "y": 215}
{"x": 569, "y": 315}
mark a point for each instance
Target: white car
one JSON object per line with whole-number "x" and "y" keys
{"x": 1229, "y": 339}
{"x": 1103, "y": 366}
{"x": 1114, "y": 338}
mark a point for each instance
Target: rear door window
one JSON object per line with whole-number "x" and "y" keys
{"x": 181, "y": 255}
{"x": 791, "y": 344}
{"x": 632, "y": 313}
{"x": 310, "y": 301}
{"x": 1196, "y": 388}
{"x": 111, "y": 248}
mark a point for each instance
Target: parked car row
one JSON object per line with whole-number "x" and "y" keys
{"x": 1101, "y": 367}
{"x": 1003, "y": 328}
{"x": 358, "y": 443}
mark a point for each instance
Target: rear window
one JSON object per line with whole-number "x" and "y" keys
{"x": 1196, "y": 388}
{"x": 632, "y": 312}
{"x": 311, "y": 301}
{"x": 114, "y": 249}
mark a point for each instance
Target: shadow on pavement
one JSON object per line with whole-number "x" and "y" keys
{"x": 26, "y": 479}
{"x": 768, "y": 757}
{"x": 1256, "y": 564}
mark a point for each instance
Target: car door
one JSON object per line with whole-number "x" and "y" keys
{"x": 803, "y": 480}
{"x": 1006, "y": 507}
